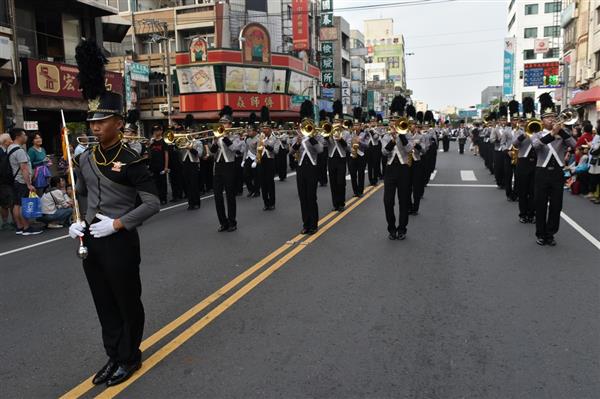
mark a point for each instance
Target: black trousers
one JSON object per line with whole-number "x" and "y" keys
{"x": 524, "y": 182}
{"x": 206, "y": 174}
{"x": 461, "y": 146}
{"x": 224, "y": 179}
{"x": 251, "y": 176}
{"x": 499, "y": 167}
{"x": 357, "y": 166}
{"x": 281, "y": 163}
{"x": 509, "y": 170}
{"x": 161, "y": 185}
{"x": 417, "y": 184}
{"x": 112, "y": 269}
{"x": 191, "y": 180}
{"x": 306, "y": 181}
{"x": 548, "y": 189}
{"x": 396, "y": 183}
{"x": 337, "y": 180}
{"x": 488, "y": 156}
{"x": 293, "y": 163}
{"x": 446, "y": 143}
{"x": 176, "y": 180}
{"x": 239, "y": 175}
{"x": 430, "y": 160}
{"x": 266, "y": 172}
{"x": 322, "y": 160}
{"x": 373, "y": 155}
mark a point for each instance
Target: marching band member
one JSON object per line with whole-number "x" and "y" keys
{"x": 121, "y": 194}
{"x": 356, "y": 161}
{"x": 224, "y": 151}
{"x": 373, "y": 152}
{"x": 395, "y": 149}
{"x": 417, "y": 170}
{"x": 250, "y": 166}
{"x": 462, "y": 137}
{"x": 508, "y": 136}
{"x": 270, "y": 147}
{"x": 550, "y": 146}
{"x": 525, "y": 170}
{"x": 282, "y": 156}
{"x": 308, "y": 148}
{"x": 337, "y": 146}
{"x": 190, "y": 162}
{"x": 496, "y": 140}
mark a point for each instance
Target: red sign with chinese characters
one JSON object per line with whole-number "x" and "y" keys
{"x": 300, "y": 26}
{"x": 237, "y": 101}
{"x": 60, "y": 80}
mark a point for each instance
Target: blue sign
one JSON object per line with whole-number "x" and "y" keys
{"x": 326, "y": 105}
{"x": 509, "y": 67}
{"x": 327, "y": 93}
{"x": 467, "y": 113}
{"x": 533, "y": 77}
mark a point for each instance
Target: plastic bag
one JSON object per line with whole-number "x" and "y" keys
{"x": 31, "y": 207}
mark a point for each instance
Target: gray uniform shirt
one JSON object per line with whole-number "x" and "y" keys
{"x": 307, "y": 150}
{"x": 524, "y": 146}
{"x": 187, "y": 154}
{"x": 227, "y": 153}
{"x": 548, "y": 147}
{"x": 495, "y": 137}
{"x": 272, "y": 142}
{"x": 334, "y": 146}
{"x": 399, "y": 151}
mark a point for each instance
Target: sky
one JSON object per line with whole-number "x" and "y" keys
{"x": 461, "y": 38}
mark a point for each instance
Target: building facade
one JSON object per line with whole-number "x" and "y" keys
{"x": 534, "y": 72}
{"x": 490, "y": 94}
{"x": 358, "y": 54}
{"x": 38, "y": 75}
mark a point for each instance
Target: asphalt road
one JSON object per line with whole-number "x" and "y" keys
{"x": 468, "y": 306}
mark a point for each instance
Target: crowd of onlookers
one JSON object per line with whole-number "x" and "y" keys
{"x": 25, "y": 172}
{"x": 582, "y": 166}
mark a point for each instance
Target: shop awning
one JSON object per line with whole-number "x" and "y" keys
{"x": 587, "y": 96}
{"x": 114, "y": 28}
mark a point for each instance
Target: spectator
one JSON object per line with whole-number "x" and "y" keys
{"x": 6, "y": 190}
{"x": 20, "y": 166}
{"x": 39, "y": 163}
{"x": 594, "y": 171}
{"x": 57, "y": 207}
{"x": 587, "y": 136}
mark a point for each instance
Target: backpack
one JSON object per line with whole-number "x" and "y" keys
{"x": 6, "y": 174}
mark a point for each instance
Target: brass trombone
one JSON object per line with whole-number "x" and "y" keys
{"x": 533, "y": 126}
{"x": 135, "y": 139}
{"x": 400, "y": 126}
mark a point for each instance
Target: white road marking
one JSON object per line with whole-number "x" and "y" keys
{"x": 581, "y": 230}
{"x": 433, "y": 175}
{"x": 12, "y": 251}
{"x": 467, "y": 175}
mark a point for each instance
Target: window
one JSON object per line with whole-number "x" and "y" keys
{"x": 530, "y": 33}
{"x": 551, "y": 31}
{"x": 4, "y": 13}
{"x": 528, "y": 55}
{"x": 598, "y": 16}
{"x": 552, "y": 7}
{"x": 552, "y": 53}
{"x": 597, "y": 59}
{"x": 531, "y": 9}
{"x": 512, "y": 21}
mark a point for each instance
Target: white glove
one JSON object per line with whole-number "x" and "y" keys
{"x": 253, "y": 165}
{"x": 102, "y": 228}
{"x": 76, "y": 229}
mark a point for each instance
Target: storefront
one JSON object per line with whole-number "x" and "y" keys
{"x": 245, "y": 79}
{"x": 588, "y": 104}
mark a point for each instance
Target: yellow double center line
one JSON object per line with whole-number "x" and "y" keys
{"x": 164, "y": 351}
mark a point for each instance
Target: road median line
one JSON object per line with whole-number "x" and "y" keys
{"x": 197, "y": 326}
{"x": 87, "y": 385}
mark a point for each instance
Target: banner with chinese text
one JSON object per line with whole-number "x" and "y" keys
{"x": 300, "y": 26}
{"x": 509, "y": 66}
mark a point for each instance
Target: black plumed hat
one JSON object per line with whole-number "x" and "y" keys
{"x": 411, "y": 111}
{"x": 420, "y": 117}
{"x": 357, "y": 113}
{"x": 528, "y": 107}
{"x": 513, "y": 108}
{"x": 338, "y": 110}
{"x": 547, "y": 105}
{"x": 265, "y": 116}
{"x": 307, "y": 110}
{"x": 252, "y": 119}
{"x": 502, "y": 111}
{"x": 428, "y": 117}
{"x": 226, "y": 114}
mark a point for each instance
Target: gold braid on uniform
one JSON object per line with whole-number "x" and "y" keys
{"x": 106, "y": 163}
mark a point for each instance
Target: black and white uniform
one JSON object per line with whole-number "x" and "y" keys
{"x": 525, "y": 175}
{"x": 224, "y": 150}
{"x": 307, "y": 179}
{"x": 336, "y": 165}
{"x": 357, "y": 164}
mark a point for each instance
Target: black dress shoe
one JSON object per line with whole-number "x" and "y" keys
{"x": 311, "y": 232}
{"x": 304, "y": 231}
{"x": 250, "y": 195}
{"x": 123, "y": 373}
{"x": 401, "y": 236}
{"x": 272, "y": 208}
{"x": 523, "y": 219}
{"x": 550, "y": 241}
{"x": 266, "y": 208}
{"x": 540, "y": 241}
{"x": 392, "y": 236}
{"x": 105, "y": 372}
{"x": 222, "y": 228}
{"x": 232, "y": 228}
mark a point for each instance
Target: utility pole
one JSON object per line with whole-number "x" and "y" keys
{"x": 160, "y": 34}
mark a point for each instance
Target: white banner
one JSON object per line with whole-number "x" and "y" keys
{"x": 541, "y": 46}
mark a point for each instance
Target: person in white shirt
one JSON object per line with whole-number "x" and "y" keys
{"x": 57, "y": 208}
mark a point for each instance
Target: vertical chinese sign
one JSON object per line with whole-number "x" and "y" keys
{"x": 327, "y": 49}
{"x": 300, "y": 26}
{"x": 509, "y": 67}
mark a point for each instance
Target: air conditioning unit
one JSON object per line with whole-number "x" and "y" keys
{"x": 588, "y": 74}
{"x": 164, "y": 108}
{"x": 6, "y": 50}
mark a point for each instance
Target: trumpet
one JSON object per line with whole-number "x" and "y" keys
{"x": 85, "y": 140}
{"x": 135, "y": 139}
{"x": 184, "y": 140}
{"x": 401, "y": 126}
